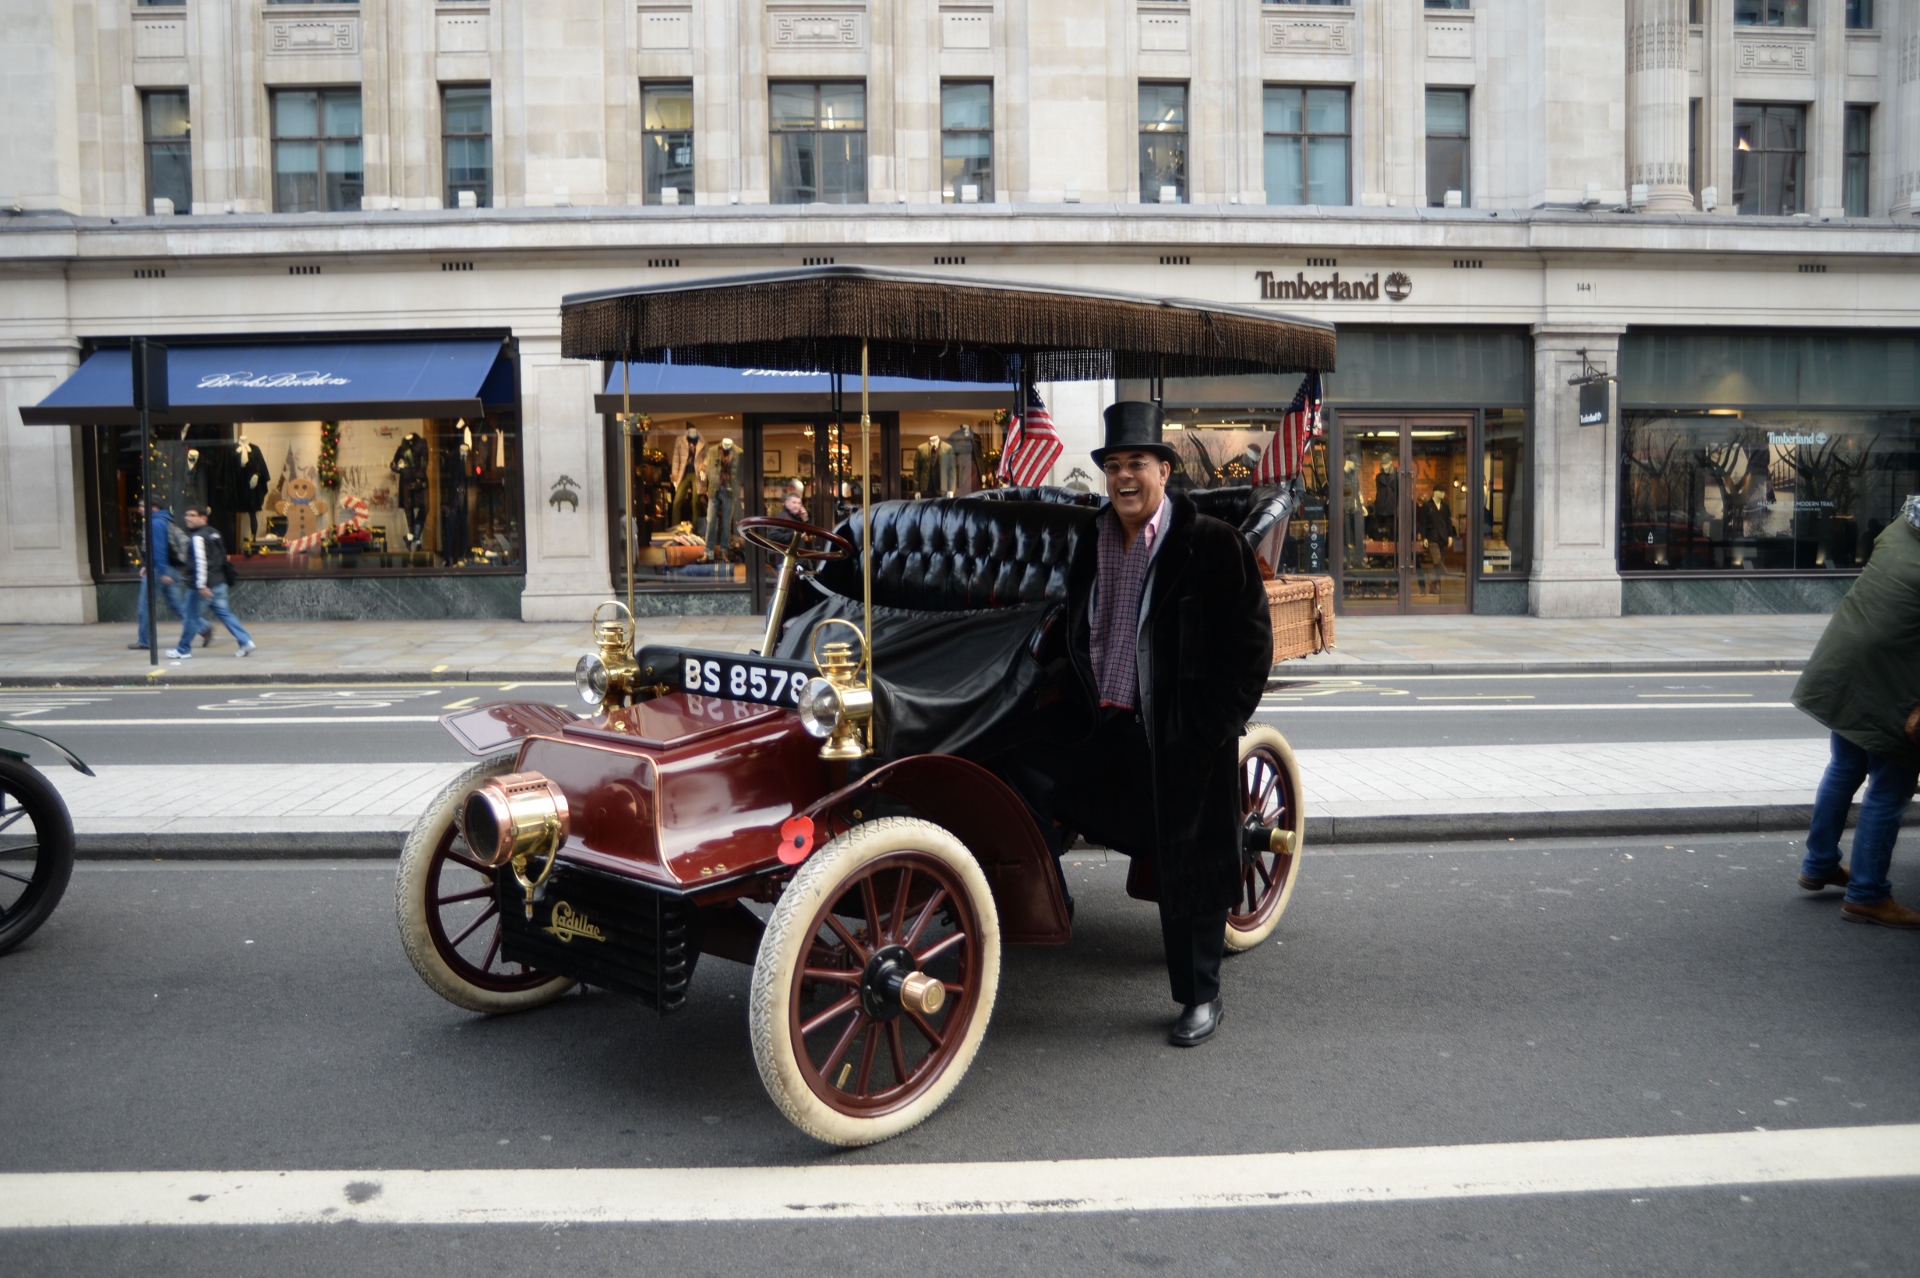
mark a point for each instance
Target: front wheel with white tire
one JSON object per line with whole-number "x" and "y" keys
{"x": 1273, "y": 832}
{"x": 875, "y": 981}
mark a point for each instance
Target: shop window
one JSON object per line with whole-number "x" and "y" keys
{"x": 1769, "y": 157}
{"x": 1220, "y": 447}
{"x": 1163, "y": 144}
{"x": 1447, "y": 138}
{"x": 819, "y": 143}
{"x": 1858, "y": 134}
{"x": 466, "y": 126}
{"x": 666, "y": 142}
{"x": 316, "y": 150}
{"x": 1503, "y": 492}
{"x": 166, "y": 124}
{"x": 1769, "y": 13}
{"x": 1859, "y": 15}
{"x": 966, "y": 141}
{"x": 1750, "y": 491}
{"x": 1306, "y": 144}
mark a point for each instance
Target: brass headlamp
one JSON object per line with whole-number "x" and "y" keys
{"x": 607, "y": 677}
{"x": 512, "y": 819}
{"x": 838, "y": 705}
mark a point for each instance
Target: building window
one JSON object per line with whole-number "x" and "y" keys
{"x": 316, "y": 150}
{"x": 666, "y": 140}
{"x": 1769, "y": 157}
{"x": 1769, "y": 13}
{"x": 819, "y": 143}
{"x": 1449, "y": 4}
{"x": 1447, "y": 146}
{"x": 466, "y": 125}
{"x": 169, "y": 152}
{"x": 1163, "y": 144}
{"x": 1341, "y": 3}
{"x": 1306, "y": 145}
{"x": 1693, "y": 147}
{"x": 1859, "y": 130}
{"x": 1859, "y": 15}
{"x": 966, "y": 141}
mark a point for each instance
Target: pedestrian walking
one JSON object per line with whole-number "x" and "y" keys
{"x": 209, "y": 577}
{"x": 1863, "y": 683}
{"x": 166, "y": 550}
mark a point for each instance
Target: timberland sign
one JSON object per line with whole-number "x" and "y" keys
{"x": 1335, "y": 289}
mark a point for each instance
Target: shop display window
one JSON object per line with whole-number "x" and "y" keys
{"x": 1503, "y": 493}
{"x": 691, "y": 482}
{"x": 1219, "y": 449}
{"x": 294, "y": 498}
{"x": 1740, "y": 490}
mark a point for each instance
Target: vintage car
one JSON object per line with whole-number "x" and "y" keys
{"x": 36, "y": 841}
{"x": 816, "y": 809}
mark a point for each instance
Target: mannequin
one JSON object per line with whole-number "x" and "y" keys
{"x": 686, "y": 477}
{"x": 725, "y": 480}
{"x": 455, "y": 541}
{"x": 409, "y": 465}
{"x": 251, "y": 496}
{"x": 1354, "y": 509}
{"x": 1385, "y": 523}
{"x": 960, "y": 469}
{"x": 932, "y": 467}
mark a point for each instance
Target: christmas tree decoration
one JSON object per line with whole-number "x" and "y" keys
{"x": 328, "y": 472}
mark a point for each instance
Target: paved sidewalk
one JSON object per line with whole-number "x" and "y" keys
{"x": 1352, "y": 796}
{"x": 376, "y": 651}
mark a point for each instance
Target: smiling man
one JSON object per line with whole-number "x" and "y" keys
{"x": 1168, "y": 644}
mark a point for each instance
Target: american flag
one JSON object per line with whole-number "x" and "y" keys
{"x": 1032, "y": 445}
{"x": 1286, "y": 456}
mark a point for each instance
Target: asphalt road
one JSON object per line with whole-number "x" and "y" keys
{"x": 396, "y": 723}
{"x": 262, "y": 1016}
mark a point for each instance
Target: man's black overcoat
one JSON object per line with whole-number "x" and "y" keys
{"x": 1206, "y": 647}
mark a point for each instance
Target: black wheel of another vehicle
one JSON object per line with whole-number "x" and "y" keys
{"x": 36, "y": 850}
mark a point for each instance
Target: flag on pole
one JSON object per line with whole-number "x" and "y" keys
{"x": 1286, "y": 456}
{"x": 1032, "y": 445}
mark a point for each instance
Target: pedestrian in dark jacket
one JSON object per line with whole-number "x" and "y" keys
{"x": 166, "y": 551}
{"x": 1167, "y": 646}
{"x": 1863, "y": 683}
{"x": 207, "y": 584}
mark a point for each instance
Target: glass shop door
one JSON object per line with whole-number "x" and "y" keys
{"x": 1402, "y": 491}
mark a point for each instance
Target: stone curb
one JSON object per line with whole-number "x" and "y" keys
{"x": 1716, "y": 665}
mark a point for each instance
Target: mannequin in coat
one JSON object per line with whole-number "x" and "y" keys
{"x": 684, "y": 473}
{"x": 725, "y": 483}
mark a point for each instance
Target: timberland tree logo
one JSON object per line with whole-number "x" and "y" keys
{"x": 1302, "y": 289}
{"x": 567, "y": 925}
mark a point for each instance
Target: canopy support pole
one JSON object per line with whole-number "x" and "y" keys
{"x": 626, "y": 471}
{"x": 866, "y": 523}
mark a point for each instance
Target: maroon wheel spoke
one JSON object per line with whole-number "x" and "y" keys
{"x": 863, "y": 1081}
{"x": 474, "y": 926}
{"x": 848, "y": 1004}
{"x": 900, "y": 904}
{"x": 1260, "y": 868}
{"x": 932, "y": 1035}
{"x": 938, "y": 948}
{"x": 845, "y": 1041}
{"x": 832, "y": 975}
{"x": 870, "y": 899}
{"x": 934, "y": 902}
{"x": 478, "y": 867}
{"x": 840, "y": 929}
{"x": 493, "y": 947}
{"x": 474, "y": 895}
{"x": 898, "y": 1050}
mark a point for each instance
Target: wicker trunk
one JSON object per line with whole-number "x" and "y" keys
{"x": 1302, "y": 609}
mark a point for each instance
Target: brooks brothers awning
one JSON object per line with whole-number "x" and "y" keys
{"x": 291, "y": 381}
{"x": 699, "y": 388}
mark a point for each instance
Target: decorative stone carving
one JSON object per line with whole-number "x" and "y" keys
{"x": 666, "y": 30}
{"x": 1657, "y": 87}
{"x": 818, "y": 31}
{"x": 1284, "y": 35}
{"x": 1449, "y": 40}
{"x": 966, "y": 31}
{"x": 305, "y": 37}
{"x": 1775, "y": 56}
{"x": 1657, "y": 44}
{"x": 159, "y": 38}
{"x": 1163, "y": 33}
{"x": 463, "y": 32}
{"x": 1909, "y": 59}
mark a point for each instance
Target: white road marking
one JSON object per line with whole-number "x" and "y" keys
{"x": 225, "y": 720}
{"x": 834, "y": 1191}
{"x": 1507, "y": 707}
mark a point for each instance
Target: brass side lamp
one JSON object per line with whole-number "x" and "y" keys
{"x": 838, "y": 704}
{"x": 607, "y": 677}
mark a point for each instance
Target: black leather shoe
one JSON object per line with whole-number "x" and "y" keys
{"x": 1197, "y": 1023}
{"x": 1836, "y": 877}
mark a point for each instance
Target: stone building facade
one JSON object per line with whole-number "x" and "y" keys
{"x": 1690, "y": 196}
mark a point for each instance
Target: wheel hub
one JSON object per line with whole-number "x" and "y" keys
{"x": 892, "y": 984}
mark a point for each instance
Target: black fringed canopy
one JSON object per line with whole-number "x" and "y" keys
{"x": 934, "y": 328}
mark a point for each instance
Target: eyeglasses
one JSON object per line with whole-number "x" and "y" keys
{"x": 1135, "y": 466}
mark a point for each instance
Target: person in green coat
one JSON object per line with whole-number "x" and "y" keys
{"x": 1863, "y": 683}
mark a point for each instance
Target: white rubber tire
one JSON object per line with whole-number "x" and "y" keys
{"x": 413, "y": 885}
{"x": 1240, "y": 940}
{"x": 819, "y": 883}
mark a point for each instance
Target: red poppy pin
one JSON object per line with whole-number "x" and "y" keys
{"x": 796, "y": 840}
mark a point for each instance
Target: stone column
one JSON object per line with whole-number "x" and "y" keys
{"x": 1827, "y": 129}
{"x": 1576, "y": 477}
{"x": 569, "y": 555}
{"x": 1657, "y": 102}
{"x": 44, "y": 577}
{"x": 1901, "y": 68}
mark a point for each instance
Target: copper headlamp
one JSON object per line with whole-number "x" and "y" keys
{"x": 515, "y": 816}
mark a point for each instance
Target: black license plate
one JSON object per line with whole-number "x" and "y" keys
{"x": 767, "y": 681}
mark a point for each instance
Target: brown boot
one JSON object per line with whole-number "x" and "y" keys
{"x": 1836, "y": 877}
{"x": 1887, "y": 913}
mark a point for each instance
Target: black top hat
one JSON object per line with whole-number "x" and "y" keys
{"x": 1135, "y": 424}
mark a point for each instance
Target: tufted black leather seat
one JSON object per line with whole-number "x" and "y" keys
{"x": 955, "y": 554}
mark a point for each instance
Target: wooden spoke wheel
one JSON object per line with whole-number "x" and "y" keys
{"x": 450, "y": 912}
{"x": 36, "y": 850}
{"x": 842, "y": 1050}
{"x": 1269, "y": 802}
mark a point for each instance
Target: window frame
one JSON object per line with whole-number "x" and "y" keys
{"x": 318, "y": 141}
{"x": 1182, "y": 184}
{"x": 1769, "y": 8}
{"x": 1305, "y": 138}
{"x": 149, "y": 144}
{"x": 1758, "y": 182}
{"x": 815, "y": 131}
{"x": 1859, "y": 15}
{"x": 449, "y": 191}
{"x": 1856, "y": 161}
{"x": 950, "y": 191}
{"x": 652, "y": 183}
{"x": 1464, "y": 138}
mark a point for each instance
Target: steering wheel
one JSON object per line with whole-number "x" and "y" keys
{"x": 763, "y": 532}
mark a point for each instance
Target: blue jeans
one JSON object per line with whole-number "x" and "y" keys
{"x": 172, "y": 594}
{"x": 1890, "y": 788}
{"x": 197, "y": 610}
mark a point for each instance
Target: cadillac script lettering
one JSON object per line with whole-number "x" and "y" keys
{"x": 567, "y": 925}
{"x": 270, "y": 381}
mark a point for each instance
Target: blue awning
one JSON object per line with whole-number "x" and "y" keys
{"x": 291, "y": 381}
{"x": 698, "y": 388}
